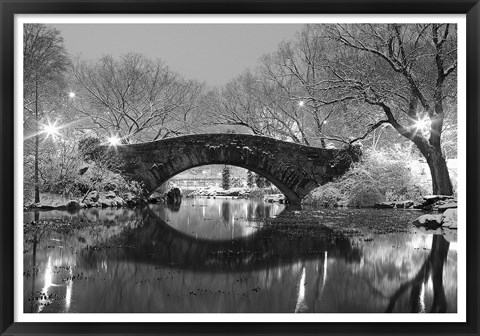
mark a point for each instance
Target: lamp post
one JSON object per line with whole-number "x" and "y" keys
{"x": 51, "y": 130}
{"x": 114, "y": 140}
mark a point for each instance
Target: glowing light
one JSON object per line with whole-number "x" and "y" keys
{"x": 301, "y": 103}
{"x": 51, "y": 130}
{"x": 301, "y": 305}
{"x": 48, "y": 277}
{"x": 114, "y": 140}
{"x": 71, "y": 94}
{"x": 68, "y": 292}
{"x": 422, "y": 298}
{"x": 422, "y": 124}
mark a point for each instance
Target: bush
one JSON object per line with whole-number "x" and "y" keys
{"x": 381, "y": 176}
{"x": 364, "y": 195}
{"x": 328, "y": 195}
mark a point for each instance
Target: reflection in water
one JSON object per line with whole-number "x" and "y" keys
{"x": 218, "y": 218}
{"x": 68, "y": 294}
{"x": 217, "y": 256}
{"x": 301, "y": 306}
{"x": 44, "y": 299}
{"x": 430, "y": 272}
{"x": 174, "y": 207}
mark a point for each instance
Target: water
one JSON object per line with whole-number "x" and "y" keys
{"x": 218, "y": 255}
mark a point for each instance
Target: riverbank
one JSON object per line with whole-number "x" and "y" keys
{"x": 112, "y": 199}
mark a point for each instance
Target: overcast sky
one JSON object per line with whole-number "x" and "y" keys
{"x": 214, "y": 53}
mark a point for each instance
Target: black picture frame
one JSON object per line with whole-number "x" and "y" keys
{"x": 8, "y": 9}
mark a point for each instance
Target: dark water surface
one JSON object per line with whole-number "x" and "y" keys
{"x": 218, "y": 255}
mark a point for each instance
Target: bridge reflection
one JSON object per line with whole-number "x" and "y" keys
{"x": 156, "y": 242}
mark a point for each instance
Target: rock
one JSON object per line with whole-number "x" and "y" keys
{"x": 274, "y": 198}
{"x": 395, "y": 204}
{"x": 384, "y": 205}
{"x": 443, "y": 207}
{"x": 434, "y": 202}
{"x": 429, "y": 222}
{"x": 174, "y": 196}
{"x": 434, "y": 198}
{"x": 73, "y": 204}
{"x": 404, "y": 204}
{"x": 155, "y": 198}
{"x": 449, "y": 219}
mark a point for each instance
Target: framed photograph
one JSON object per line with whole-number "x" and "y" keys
{"x": 253, "y": 167}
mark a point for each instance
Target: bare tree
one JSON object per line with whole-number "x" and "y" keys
{"x": 406, "y": 74}
{"x": 242, "y": 102}
{"x": 288, "y": 96}
{"x": 136, "y": 98}
{"x": 44, "y": 63}
{"x": 296, "y": 76}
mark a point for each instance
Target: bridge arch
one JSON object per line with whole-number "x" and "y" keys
{"x": 294, "y": 169}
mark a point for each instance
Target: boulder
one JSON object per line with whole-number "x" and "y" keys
{"x": 384, "y": 205}
{"x": 73, "y": 205}
{"x": 155, "y": 198}
{"x": 448, "y": 205}
{"x": 449, "y": 219}
{"x": 174, "y": 196}
{"x": 404, "y": 204}
{"x": 434, "y": 202}
{"x": 429, "y": 222}
{"x": 395, "y": 204}
{"x": 274, "y": 198}
{"x": 430, "y": 199}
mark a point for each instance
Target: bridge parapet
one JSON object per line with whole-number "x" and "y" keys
{"x": 295, "y": 169}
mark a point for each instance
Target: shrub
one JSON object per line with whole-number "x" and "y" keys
{"x": 364, "y": 195}
{"x": 328, "y": 195}
{"x": 381, "y": 176}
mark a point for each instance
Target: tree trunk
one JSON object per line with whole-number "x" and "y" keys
{"x": 37, "y": 144}
{"x": 441, "y": 184}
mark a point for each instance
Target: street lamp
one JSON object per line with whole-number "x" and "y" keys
{"x": 422, "y": 124}
{"x": 301, "y": 103}
{"x": 71, "y": 94}
{"x": 51, "y": 129}
{"x": 114, "y": 140}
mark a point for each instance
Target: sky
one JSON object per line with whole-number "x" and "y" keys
{"x": 211, "y": 53}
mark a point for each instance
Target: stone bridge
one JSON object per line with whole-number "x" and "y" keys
{"x": 295, "y": 169}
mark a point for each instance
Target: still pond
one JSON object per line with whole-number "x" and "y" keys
{"x": 235, "y": 255}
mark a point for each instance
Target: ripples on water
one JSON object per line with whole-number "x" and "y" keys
{"x": 217, "y": 255}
